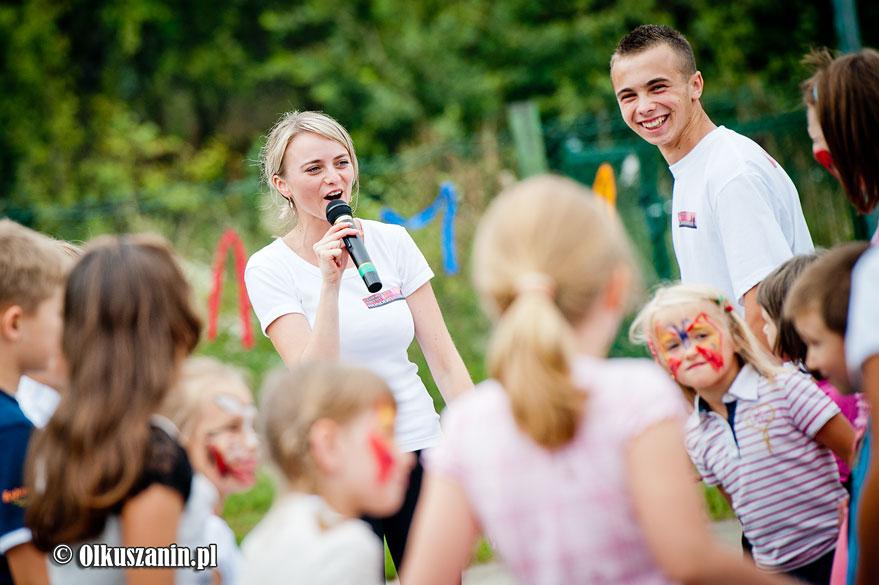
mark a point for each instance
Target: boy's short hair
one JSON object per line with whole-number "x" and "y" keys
{"x": 647, "y": 36}
{"x": 825, "y": 285}
{"x": 32, "y": 266}
{"x": 293, "y": 400}
{"x": 771, "y": 294}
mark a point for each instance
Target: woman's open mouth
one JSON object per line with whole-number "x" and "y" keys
{"x": 333, "y": 195}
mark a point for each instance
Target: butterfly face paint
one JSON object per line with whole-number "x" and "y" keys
{"x": 677, "y": 343}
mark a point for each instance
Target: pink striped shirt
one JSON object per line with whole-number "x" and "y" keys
{"x": 566, "y": 515}
{"x": 784, "y": 486}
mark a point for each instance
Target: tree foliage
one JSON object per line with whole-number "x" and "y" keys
{"x": 126, "y": 101}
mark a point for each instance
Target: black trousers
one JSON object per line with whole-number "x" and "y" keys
{"x": 817, "y": 572}
{"x": 395, "y": 529}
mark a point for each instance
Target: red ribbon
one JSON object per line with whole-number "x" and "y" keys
{"x": 230, "y": 238}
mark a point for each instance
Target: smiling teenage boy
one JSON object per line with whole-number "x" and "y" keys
{"x": 31, "y": 278}
{"x": 736, "y": 214}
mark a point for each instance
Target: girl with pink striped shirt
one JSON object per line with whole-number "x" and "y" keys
{"x": 762, "y": 433}
{"x": 572, "y": 464}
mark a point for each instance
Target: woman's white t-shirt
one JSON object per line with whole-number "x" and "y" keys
{"x": 376, "y": 329}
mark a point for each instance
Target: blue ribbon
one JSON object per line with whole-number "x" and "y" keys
{"x": 447, "y": 198}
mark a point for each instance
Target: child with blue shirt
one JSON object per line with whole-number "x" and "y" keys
{"x": 32, "y": 271}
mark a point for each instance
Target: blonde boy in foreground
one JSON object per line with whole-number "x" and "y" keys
{"x": 31, "y": 288}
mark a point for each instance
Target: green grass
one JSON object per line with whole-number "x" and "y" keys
{"x": 718, "y": 508}
{"x": 244, "y": 511}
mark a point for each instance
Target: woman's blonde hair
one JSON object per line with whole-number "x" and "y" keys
{"x": 544, "y": 252}
{"x": 292, "y": 401}
{"x": 200, "y": 379}
{"x": 745, "y": 344}
{"x": 286, "y": 129}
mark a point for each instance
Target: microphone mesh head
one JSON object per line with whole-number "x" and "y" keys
{"x": 337, "y": 209}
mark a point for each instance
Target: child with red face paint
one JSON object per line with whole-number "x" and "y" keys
{"x": 330, "y": 431}
{"x": 763, "y": 433}
{"x": 213, "y": 408}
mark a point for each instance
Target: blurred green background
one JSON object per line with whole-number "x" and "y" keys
{"x": 148, "y": 115}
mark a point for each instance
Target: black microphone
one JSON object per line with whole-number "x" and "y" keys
{"x": 340, "y": 211}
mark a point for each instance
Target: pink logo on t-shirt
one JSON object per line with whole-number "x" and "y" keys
{"x": 383, "y": 298}
{"x": 687, "y": 219}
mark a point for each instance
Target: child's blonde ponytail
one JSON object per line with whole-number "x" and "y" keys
{"x": 530, "y": 355}
{"x": 545, "y": 250}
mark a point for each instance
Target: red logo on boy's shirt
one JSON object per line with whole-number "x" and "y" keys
{"x": 687, "y": 219}
{"x": 15, "y": 496}
{"x": 383, "y": 297}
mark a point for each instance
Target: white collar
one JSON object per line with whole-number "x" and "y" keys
{"x": 744, "y": 387}
{"x": 166, "y": 425}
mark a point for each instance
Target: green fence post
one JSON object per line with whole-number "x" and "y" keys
{"x": 654, "y": 212}
{"x": 524, "y": 120}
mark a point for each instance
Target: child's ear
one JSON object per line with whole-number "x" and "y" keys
{"x": 10, "y": 322}
{"x": 616, "y": 291}
{"x": 323, "y": 440}
{"x": 652, "y": 347}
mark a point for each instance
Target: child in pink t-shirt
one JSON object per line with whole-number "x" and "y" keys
{"x": 787, "y": 345}
{"x": 571, "y": 463}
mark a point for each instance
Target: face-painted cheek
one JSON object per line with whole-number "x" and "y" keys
{"x": 674, "y": 365}
{"x": 714, "y": 358}
{"x": 244, "y": 471}
{"x": 219, "y": 461}
{"x": 825, "y": 160}
{"x": 383, "y": 457}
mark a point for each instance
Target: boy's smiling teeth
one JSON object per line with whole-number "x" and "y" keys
{"x": 654, "y": 123}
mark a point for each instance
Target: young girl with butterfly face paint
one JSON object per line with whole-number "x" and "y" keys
{"x": 213, "y": 408}
{"x": 763, "y": 433}
{"x": 329, "y": 429}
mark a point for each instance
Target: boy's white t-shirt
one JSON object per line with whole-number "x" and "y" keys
{"x": 736, "y": 215}
{"x": 37, "y": 401}
{"x": 303, "y": 540}
{"x": 376, "y": 330}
